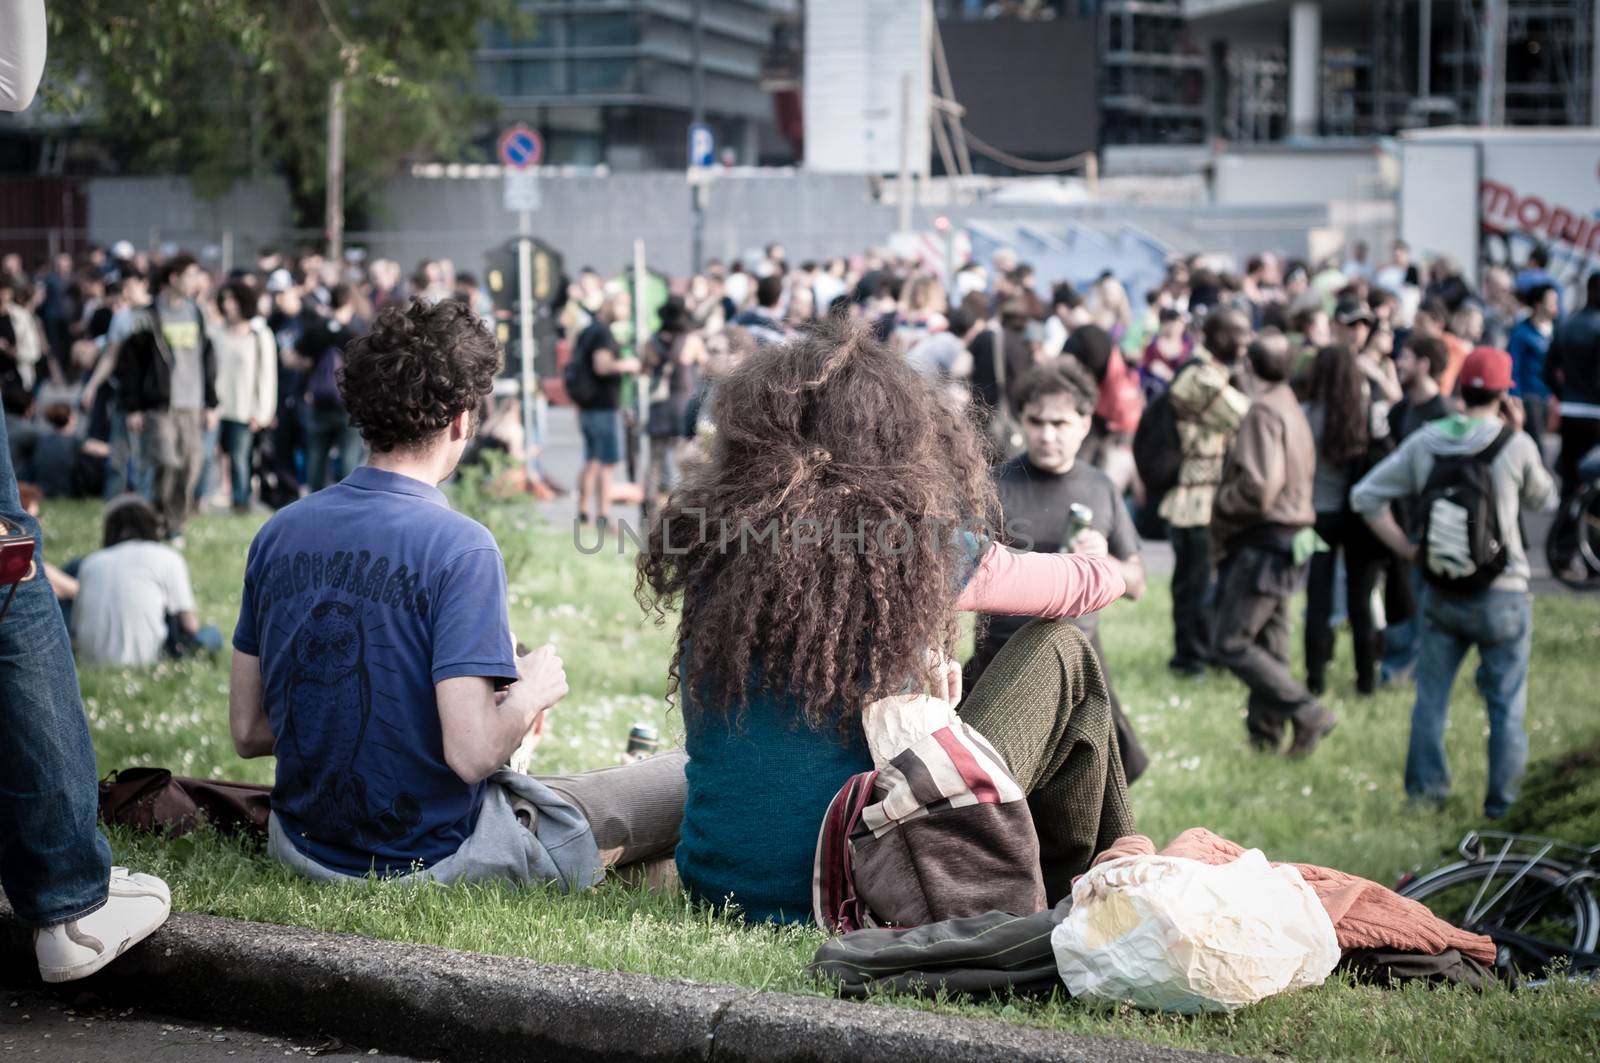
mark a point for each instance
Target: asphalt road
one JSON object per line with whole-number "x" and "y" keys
{"x": 40, "y": 1025}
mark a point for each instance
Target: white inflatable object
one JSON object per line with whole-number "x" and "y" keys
{"x": 1170, "y": 934}
{"x": 22, "y": 46}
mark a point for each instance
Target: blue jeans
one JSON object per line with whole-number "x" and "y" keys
{"x": 1402, "y": 639}
{"x": 239, "y": 442}
{"x": 54, "y": 862}
{"x": 126, "y": 469}
{"x": 1500, "y": 624}
{"x": 330, "y": 429}
{"x": 208, "y": 463}
{"x": 181, "y": 644}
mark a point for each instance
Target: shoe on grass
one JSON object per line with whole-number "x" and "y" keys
{"x": 1265, "y": 744}
{"x": 1311, "y": 731}
{"x": 1186, "y": 669}
{"x": 135, "y": 906}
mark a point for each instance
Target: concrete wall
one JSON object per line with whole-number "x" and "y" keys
{"x": 594, "y": 221}
{"x": 150, "y": 211}
{"x": 1318, "y": 176}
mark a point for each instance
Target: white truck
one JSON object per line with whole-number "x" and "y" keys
{"x": 1485, "y": 197}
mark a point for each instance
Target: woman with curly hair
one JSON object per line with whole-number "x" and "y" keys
{"x": 819, "y": 558}
{"x": 1340, "y": 408}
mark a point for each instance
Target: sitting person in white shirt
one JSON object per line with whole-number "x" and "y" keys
{"x": 134, "y": 600}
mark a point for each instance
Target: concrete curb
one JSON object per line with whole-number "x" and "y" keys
{"x": 434, "y": 1002}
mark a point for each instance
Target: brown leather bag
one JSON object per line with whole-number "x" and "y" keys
{"x": 155, "y": 800}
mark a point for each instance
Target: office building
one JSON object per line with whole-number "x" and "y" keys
{"x": 614, "y": 81}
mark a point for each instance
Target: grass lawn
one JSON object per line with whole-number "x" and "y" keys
{"x": 1344, "y": 808}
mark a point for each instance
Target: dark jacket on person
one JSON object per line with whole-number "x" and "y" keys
{"x": 144, "y": 364}
{"x": 1572, "y": 368}
{"x": 1267, "y": 478}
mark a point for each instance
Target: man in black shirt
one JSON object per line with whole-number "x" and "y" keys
{"x": 599, "y": 366}
{"x": 1053, "y": 502}
{"x": 1419, "y": 363}
{"x": 762, "y": 319}
{"x": 334, "y": 447}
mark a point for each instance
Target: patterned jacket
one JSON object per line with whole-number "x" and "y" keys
{"x": 1209, "y": 410}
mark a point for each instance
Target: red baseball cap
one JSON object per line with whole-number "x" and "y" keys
{"x": 1487, "y": 369}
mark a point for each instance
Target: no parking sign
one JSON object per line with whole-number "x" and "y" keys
{"x": 521, "y": 149}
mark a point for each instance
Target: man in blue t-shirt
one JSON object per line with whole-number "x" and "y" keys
{"x": 374, "y": 658}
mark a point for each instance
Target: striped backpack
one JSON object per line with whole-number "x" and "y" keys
{"x": 941, "y": 831}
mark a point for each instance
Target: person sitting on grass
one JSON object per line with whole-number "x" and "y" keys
{"x": 134, "y": 603}
{"x": 373, "y": 655}
{"x": 1045, "y": 493}
{"x": 65, "y": 586}
{"x": 820, "y": 557}
{"x": 66, "y": 463}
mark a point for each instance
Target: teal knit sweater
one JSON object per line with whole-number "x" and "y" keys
{"x": 760, "y": 783}
{"x": 758, "y": 789}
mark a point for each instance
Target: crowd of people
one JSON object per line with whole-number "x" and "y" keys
{"x": 1244, "y": 416}
{"x": 1282, "y": 427}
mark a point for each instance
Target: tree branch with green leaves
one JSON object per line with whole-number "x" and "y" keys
{"x": 223, "y": 89}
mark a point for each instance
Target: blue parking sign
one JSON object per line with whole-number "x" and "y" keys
{"x": 702, "y": 146}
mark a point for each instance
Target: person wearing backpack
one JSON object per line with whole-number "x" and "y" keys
{"x": 1472, "y": 473}
{"x": 594, "y": 383}
{"x": 330, "y": 433}
{"x": 167, "y": 380}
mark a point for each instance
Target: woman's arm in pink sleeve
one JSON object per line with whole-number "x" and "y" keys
{"x": 1047, "y": 585}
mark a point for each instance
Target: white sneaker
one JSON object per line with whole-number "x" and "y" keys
{"x": 135, "y": 907}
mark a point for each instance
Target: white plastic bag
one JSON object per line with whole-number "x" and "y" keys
{"x": 1171, "y": 934}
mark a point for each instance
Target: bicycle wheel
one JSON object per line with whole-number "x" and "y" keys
{"x": 1572, "y": 548}
{"x": 1533, "y": 911}
{"x": 1589, "y": 532}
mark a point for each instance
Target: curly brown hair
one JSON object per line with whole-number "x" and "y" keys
{"x": 818, "y": 441}
{"x": 419, "y": 367}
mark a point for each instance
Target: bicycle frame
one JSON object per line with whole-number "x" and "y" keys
{"x": 1579, "y": 868}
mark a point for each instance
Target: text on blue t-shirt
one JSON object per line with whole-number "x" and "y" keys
{"x": 357, "y": 600}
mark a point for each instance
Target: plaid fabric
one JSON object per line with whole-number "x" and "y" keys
{"x": 944, "y": 770}
{"x": 884, "y": 825}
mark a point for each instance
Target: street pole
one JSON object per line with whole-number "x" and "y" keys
{"x": 1424, "y": 49}
{"x": 1594, "y": 78}
{"x": 697, "y": 103}
{"x": 335, "y": 182}
{"x": 1492, "y": 75}
{"x": 639, "y": 339}
{"x": 530, "y": 436}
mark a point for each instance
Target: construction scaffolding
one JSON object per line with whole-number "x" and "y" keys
{"x": 1420, "y": 63}
{"x": 1152, "y": 82}
{"x": 1547, "y": 50}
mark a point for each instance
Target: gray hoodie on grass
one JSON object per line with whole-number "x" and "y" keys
{"x": 1520, "y": 480}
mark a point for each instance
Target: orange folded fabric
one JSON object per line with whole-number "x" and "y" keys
{"x": 1365, "y": 915}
